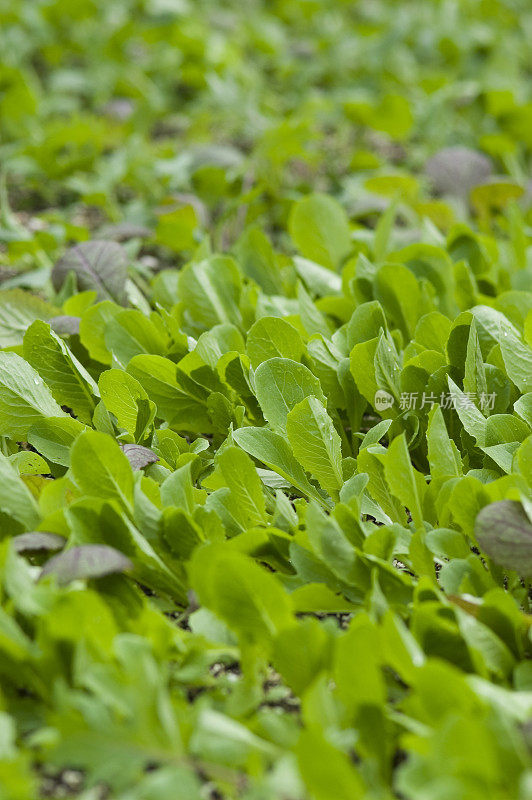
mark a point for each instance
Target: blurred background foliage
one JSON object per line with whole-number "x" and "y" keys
{"x": 121, "y": 106}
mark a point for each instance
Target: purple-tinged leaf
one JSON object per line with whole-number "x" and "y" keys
{"x": 123, "y": 231}
{"x": 455, "y": 170}
{"x": 504, "y": 533}
{"x": 139, "y": 456}
{"x": 65, "y": 324}
{"x": 99, "y": 266}
{"x": 38, "y": 540}
{"x": 86, "y": 561}
{"x": 119, "y": 108}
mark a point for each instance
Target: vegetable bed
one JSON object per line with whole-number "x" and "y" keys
{"x": 265, "y": 400}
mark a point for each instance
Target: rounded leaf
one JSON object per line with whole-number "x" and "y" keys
{"x": 504, "y": 532}
{"x": 38, "y": 540}
{"x": 138, "y": 456}
{"x": 86, "y": 561}
{"x": 455, "y": 170}
{"x": 319, "y": 227}
{"x": 65, "y": 324}
{"x": 100, "y": 266}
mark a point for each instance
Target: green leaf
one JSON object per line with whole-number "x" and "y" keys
{"x": 386, "y": 363}
{"x": 242, "y": 479}
{"x": 470, "y": 417}
{"x": 270, "y": 337}
{"x": 319, "y": 228}
{"x": 28, "y": 463}
{"x": 372, "y": 463}
{"x": 272, "y": 450}
{"x": 318, "y": 280}
{"x": 375, "y": 434}
{"x": 16, "y": 500}
{"x": 157, "y": 377}
{"x": 124, "y": 397}
{"x": 329, "y": 543}
{"x": 301, "y": 653}
{"x": 176, "y": 228}
{"x": 444, "y": 456}
{"x": 131, "y": 333}
{"x": 517, "y": 357}
{"x": 101, "y": 469}
{"x": 528, "y": 328}
{"x": 432, "y": 331}
{"x": 359, "y": 681}
{"x": 246, "y": 597}
{"x": 524, "y": 459}
{"x": 180, "y": 532}
{"x": 316, "y": 444}
{"x": 210, "y": 292}
{"x": 282, "y": 383}
{"x": 96, "y": 521}
{"x": 69, "y": 381}
{"x": 404, "y": 481}
{"x": 53, "y": 437}
{"x": 175, "y": 401}
{"x": 177, "y": 489}
{"x": 18, "y": 310}
{"x": 383, "y": 233}
{"x": 362, "y": 366}
{"x": 257, "y": 259}
{"x": 312, "y": 318}
{"x": 219, "y": 341}
{"x": 475, "y": 374}
{"x": 327, "y": 772}
{"x": 502, "y": 454}
{"x": 223, "y": 740}
{"x": 523, "y": 407}
{"x": 92, "y": 329}
{"x": 501, "y": 428}
{"x": 24, "y": 398}
{"x": 366, "y": 323}
{"x": 399, "y": 293}
{"x": 494, "y": 195}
